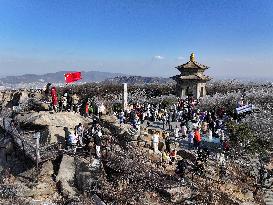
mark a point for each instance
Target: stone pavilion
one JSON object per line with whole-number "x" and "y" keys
{"x": 191, "y": 81}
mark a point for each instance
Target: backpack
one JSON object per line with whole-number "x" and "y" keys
{"x": 69, "y": 140}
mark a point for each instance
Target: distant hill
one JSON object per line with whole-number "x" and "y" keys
{"x": 138, "y": 80}
{"x": 39, "y": 81}
{"x": 58, "y": 77}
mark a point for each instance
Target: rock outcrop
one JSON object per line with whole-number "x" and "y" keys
{"x": 54, "y": 122}
{"x": 66, "y": 176}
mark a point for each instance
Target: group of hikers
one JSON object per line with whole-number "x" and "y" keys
{"x": 81, "y": 138}
{"x": 71, "y": 102}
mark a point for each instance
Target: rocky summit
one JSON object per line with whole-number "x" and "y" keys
{"x": 89, "y": 149}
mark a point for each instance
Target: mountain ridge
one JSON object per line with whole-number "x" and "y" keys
{"x": 39, "y": 80}
{"x": 58, "y": 77}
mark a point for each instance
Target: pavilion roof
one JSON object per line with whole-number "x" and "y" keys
{"x": 191, "y": 65}
{"x": 196, "y": 76}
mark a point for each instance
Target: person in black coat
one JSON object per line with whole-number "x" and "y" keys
{"x": 181, "y": 168}
{"x": 97, "y": 141}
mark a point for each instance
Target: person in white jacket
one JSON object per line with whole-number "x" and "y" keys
{"x": 176, "y": 132}
{"x": 209, "y": 135}
{"x": 155, "y": 140}
{"x": 184, "y": 131}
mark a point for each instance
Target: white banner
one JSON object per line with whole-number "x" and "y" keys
{"x": 245, "y": 108}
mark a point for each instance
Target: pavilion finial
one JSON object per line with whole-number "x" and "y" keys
{"x": 192, "y": 58}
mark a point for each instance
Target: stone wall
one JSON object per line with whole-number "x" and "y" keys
{"x": 194, "y": 87}
{"x": 201, "y": 87}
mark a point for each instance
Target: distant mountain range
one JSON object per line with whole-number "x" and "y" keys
{"x": 98, "y": 76}
{"x": 58, "y": 77}
{"x": 39, "y": 81}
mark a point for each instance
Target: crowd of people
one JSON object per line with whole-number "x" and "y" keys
{"x": 82, "y": 137}
{"x": 189, "y": 121}
{"x": 180, "y": 121}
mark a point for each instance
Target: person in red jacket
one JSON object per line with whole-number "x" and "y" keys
{"x": 54, "y": 98}
{"x": 226, "y": 146}
{"x": 86, "y": 109}
{"x": 197, "y": 137}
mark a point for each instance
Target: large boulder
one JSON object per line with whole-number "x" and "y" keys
{"x": 56, "y": 122}
{"x": 177, "y": 194}
{"x": 42, "y": 189}
{"x": 186, "y": 154}
{"x": 82, "y": 173}
{"x": 60, "y": 119}
{"x": 24, "y": 96}
{"x": 5, "y": 97}
{"x": 66, "y": 175}
{"x": 87, "y": 175}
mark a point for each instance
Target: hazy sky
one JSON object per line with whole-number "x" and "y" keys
{"x": 234, "y": 38}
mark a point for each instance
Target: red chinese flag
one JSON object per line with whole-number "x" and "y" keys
{"x": 72, "y": 77}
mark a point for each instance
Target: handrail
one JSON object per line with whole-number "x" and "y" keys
{"x": 29, "y": 149}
